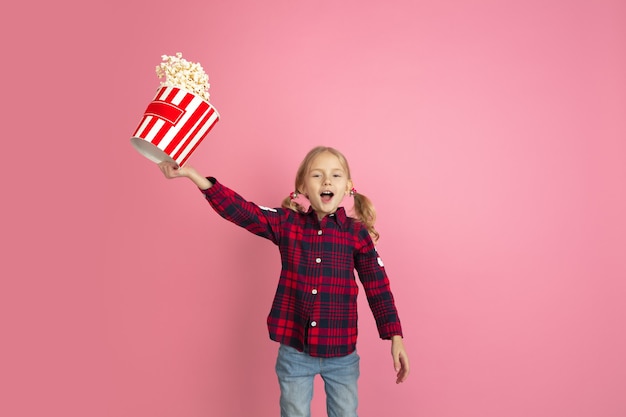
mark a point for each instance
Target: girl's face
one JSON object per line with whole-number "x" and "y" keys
{"x": 326, "y": 183}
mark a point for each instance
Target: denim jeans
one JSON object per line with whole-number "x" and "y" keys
{"x": 296, "y": 372}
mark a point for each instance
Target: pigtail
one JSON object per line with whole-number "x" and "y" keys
{"x": 366, "y": 214}
{"x": 290, "y": 203}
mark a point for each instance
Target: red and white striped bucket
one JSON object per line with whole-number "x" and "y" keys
{"x": 173, "y": 125}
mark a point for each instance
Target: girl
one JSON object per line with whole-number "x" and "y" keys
{"x": 314, "y": 312}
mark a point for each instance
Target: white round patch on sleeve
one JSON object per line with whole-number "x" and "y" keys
{"x": 380, "y": 262}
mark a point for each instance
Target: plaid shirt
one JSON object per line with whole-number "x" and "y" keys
{"x": 315, "y": 307}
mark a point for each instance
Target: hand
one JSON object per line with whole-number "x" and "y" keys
{"x": 172, "y": 170}
{"x": 400, "y": 359}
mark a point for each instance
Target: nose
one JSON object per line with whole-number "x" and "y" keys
{"x": 327, "y": 180}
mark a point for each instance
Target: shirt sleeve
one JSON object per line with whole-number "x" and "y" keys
{"x": 377, "y": 288}
{"x": 262, "y": 221}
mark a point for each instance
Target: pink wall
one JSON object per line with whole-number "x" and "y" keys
{"x": 489, "y": 134}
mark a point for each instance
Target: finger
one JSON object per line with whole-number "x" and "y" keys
{"x": 403, "y": 373}
{"x": 164, "y": 167}
{"x": 397, "y": 364}
{"x": 401, "y": 377}
{"x": 167, "y": 167}
{"x": 171, "y": 171}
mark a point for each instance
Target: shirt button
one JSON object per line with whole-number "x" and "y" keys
{"x": 319, "y": 232}
{"x": 313, "y": 323}
{"x": 318, "y": 260}
{"x": 314, "y": 292}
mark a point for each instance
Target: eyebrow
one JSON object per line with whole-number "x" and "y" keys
{"x": 321, "y": 169}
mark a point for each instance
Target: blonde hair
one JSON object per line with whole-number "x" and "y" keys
{"x": 363, "y": 208}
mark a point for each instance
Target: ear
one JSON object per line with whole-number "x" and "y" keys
{"x": 303, "y": 191}
{"x": 349, "y": 187}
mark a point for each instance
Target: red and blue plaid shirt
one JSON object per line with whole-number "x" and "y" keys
{"x": 315, "y": 307}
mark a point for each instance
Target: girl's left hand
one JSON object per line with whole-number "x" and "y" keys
{"x": 400, "y": 359}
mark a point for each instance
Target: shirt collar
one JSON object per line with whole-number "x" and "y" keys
{"x": 338, "y": 216}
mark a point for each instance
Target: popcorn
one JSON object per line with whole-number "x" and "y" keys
{"x": 179, "y": 72}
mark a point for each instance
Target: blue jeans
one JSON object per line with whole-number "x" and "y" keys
{"x": 296, "y": 372}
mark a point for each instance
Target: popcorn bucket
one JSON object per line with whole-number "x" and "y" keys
{"x": 173, "y": 125}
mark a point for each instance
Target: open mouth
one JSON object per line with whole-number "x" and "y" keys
{"x": 327, "y": 196}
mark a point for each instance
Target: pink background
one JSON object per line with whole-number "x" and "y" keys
{"x": 489, "y": 134}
